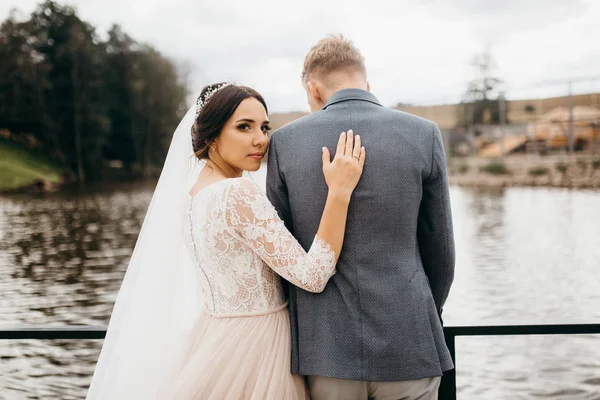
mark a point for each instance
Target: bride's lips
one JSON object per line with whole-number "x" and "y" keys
{"x": 257, "y": 156}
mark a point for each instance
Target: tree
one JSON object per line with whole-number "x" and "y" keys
{"x": 20, "y": 78}
{"x": 87, "y": 101}
{"x": 73, "y": 98}
{"x": 157, "y": 103}
{"x": 480, "y": 103}
{"x": 119, "y": 97}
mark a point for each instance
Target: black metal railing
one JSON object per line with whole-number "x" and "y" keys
{"x": 447, "y": 387}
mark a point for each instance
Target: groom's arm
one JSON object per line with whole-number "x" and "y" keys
{"x": 276, "y": 188}
{"x": 434, "y": 231}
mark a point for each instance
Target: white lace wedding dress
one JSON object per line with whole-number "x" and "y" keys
{"x": 240, "y": 345}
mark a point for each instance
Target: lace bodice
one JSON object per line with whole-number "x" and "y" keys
{"x": 241, "y": 246}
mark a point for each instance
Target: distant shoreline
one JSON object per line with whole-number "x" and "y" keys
{"x": 581, "y": 171}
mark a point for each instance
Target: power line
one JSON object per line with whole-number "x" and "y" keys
{"x": 552, "y": 82}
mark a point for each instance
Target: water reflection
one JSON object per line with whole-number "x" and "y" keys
{"x": 66, "y": 255}
{"x": 62, "y": 259}
{"x": 526, "y": 256}
{"x": 523, "y": 256}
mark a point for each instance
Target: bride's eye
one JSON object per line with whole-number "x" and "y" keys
{"x": 244, "y": 127}
{"x": 266, "y": 129}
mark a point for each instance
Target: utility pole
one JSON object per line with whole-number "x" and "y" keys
{"x": 595, "y": 95}
{"x": 571, "y": 138}
{"x": 535, "y": 127}
{"x": 470, "y": 128}
{"x": 502, "y": 111}
{"x": 539, "y": 111}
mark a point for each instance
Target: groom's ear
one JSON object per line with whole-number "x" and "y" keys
{"x": 368, "y": 86}
{"x": 315, "y": 93}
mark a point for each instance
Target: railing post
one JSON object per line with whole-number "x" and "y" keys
{"x": 447, "y": 389}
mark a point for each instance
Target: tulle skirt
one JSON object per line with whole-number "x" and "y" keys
{"x": 239, "y": 358}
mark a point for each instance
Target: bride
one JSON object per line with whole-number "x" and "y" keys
{"x": 201, "y": 312}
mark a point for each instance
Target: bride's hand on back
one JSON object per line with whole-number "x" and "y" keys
{"x": 343, "y": 173}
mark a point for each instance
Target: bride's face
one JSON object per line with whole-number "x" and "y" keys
{"x": 244, "y": 140}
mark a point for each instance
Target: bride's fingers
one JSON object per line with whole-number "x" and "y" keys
{"x": 349, "y": 143}
{"x": 357, "y": 146}
{"x": 326, "y": 157}
{"x": 361, "y": 158}
{"x": 341, "y": 145}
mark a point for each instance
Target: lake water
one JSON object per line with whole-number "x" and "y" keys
{"x": 524, "y": 256}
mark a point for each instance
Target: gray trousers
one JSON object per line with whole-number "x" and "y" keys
{"x": 325, "y": 388}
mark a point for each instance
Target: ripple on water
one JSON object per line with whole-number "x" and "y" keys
{"x": 524, "y": 256}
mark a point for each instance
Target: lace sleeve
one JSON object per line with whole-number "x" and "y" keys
{"x": 254, "y": 219}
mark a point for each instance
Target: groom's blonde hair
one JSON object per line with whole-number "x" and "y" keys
{"x": 332, "y": 54}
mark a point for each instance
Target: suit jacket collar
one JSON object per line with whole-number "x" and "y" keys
{"x": 351, "y": 94}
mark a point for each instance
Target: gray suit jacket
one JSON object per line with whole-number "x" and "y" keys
{"x": 378, "y": 319}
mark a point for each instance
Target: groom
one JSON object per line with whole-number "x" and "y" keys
{"x": 375, "y": 332}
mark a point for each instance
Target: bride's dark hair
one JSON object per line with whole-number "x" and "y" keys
{"x": 215, "y": 113}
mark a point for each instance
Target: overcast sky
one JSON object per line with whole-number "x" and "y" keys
{"x": 417, "y": 51}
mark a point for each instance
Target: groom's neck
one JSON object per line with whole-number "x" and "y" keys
{"x": 330, "y": 91}
{"x": 336, "y": 83}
